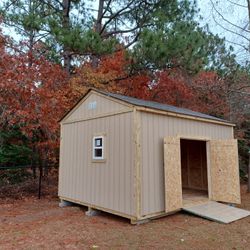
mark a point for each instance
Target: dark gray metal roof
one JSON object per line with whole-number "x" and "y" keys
{"x": 152, "y": 105}
{"x": 163, "y": 107}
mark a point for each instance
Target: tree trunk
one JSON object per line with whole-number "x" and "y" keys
{"x": 98, "y": 28}
{"x": 33, "y": 170}
{"x": 40, "y": 182}
{"x": 98, "y": 25}
{"x": 31, "y": 35}
{"x": 45, "y": 163}
{"x": 33, "y": 162}
{"x": 248, "y": 171}
{"x": 248, "y": 7}
{"x": 31, "y": 45}
{"x": 66, "y": 27}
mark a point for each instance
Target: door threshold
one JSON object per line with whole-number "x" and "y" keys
{"x": 192, "y": 197}
{"x": 190, "y": 203}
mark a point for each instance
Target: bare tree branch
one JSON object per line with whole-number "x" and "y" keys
{"x": 106, "y": 8}
{"x": 10, "y": 4}
{"x": 120, "y": 31}
{"x": 120, "y": 12}
{"x": 48, "y": 3}
{"x": 237, "y": 4}
{"x": 133, "y": 41}
{"x": 226, "y": 20}
{"x": 233, "y": 32}
{"x": 238, "y": 44}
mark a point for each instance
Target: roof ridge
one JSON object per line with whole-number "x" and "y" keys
{"x": 151, "y": 104}
{"x": 161, "y": 106}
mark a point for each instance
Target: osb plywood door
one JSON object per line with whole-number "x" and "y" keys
{"x": 224, "y": 170}
{"x": 172, "y": 170}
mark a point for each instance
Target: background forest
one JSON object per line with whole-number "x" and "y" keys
{"x": 52, "y": 51}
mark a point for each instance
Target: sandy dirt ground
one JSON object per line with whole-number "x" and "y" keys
{"x": 29, "y": 223}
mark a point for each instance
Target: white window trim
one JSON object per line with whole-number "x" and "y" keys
{"x": 98, "y": 147}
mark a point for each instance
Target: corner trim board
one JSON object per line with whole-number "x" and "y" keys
{"x": 137, "y": 162}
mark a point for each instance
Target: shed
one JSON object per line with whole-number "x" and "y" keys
{"x": 140, "y": 159}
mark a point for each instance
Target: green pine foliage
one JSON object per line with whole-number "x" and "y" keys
{"x": 14, "y": 150}
{"x": 167, "y": 34}
{"x": 180, "y": 42}
{"x": 244, "y": 148}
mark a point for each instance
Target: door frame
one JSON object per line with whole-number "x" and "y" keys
{"x": 207, "y": 141}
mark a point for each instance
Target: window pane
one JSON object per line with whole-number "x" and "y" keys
{"x": 98, "y": 142}
{"x": 98, "y": 152}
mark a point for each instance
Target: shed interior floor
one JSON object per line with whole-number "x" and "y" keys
{"x": 193, "y": 197}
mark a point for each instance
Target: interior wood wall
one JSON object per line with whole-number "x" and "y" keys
{"x": 194, "y": 164}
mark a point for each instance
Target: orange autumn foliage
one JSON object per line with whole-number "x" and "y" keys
{"x": 210, "y": 92}
{"x": 105, "y": 76}
{"x": 203, "y": 92}
{"x": 33, "y": 96}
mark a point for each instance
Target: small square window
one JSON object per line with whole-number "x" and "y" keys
{"x": 98, "y": 152}
{"x": 98, "y": 148}
{"x": 98, "y": 142}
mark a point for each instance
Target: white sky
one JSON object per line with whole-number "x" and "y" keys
{"x": 233, "y": 13}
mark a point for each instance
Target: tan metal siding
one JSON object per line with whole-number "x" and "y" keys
{"x": 103, "y": 106}
{"x": 154, "y": 128}
{"x": 110, "y": 184}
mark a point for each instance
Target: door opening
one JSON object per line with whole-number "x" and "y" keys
{"x": 194, "y": 171}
